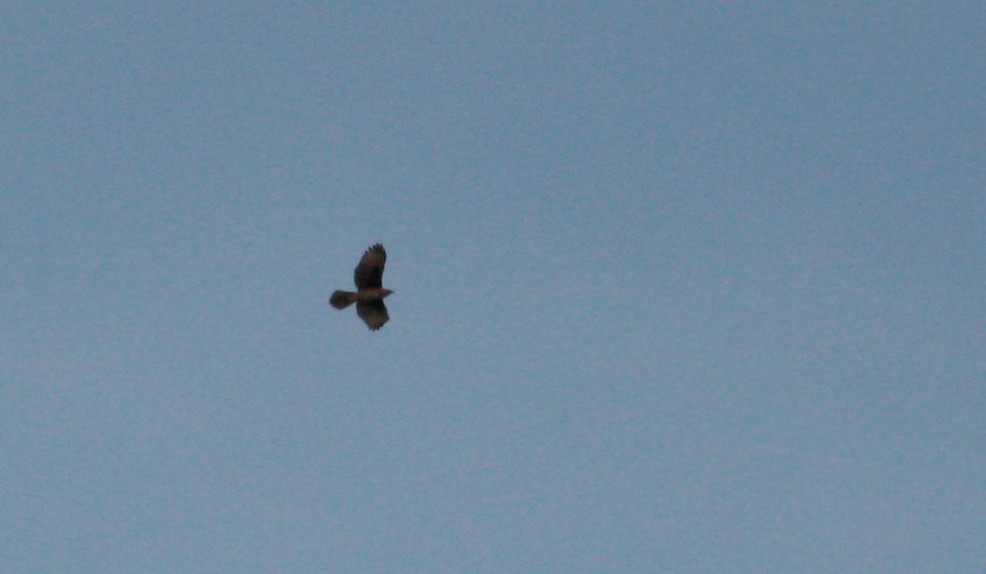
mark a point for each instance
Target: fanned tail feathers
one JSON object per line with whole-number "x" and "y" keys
{"x": 342, "y": 299}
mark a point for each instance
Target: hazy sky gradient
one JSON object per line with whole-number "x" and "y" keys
{"x": 678, "y": 288}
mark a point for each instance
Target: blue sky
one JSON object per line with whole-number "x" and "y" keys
{"x": 678, "y": 288}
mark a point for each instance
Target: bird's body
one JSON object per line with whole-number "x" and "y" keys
{"x": 343, "y": 299}
{"x": 369, "y": 294}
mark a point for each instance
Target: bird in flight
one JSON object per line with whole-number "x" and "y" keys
{"x": 369, "y": 293}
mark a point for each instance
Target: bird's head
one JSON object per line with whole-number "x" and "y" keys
{"x": 385, "y": 292}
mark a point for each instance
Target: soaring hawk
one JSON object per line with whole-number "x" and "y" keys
{"x": 369, "y": 293}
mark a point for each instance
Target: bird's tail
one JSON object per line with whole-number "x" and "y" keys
{"x": 342, "y": 299}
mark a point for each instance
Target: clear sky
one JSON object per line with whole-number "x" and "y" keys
{"x": 679, "y": 287}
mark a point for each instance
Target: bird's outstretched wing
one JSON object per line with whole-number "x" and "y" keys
{"x": 373, "y": 313}
{"x": 369, "y": 272}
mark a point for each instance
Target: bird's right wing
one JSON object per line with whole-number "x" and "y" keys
{"x": 369, "y": 272}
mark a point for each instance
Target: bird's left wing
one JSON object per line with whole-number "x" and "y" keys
{"x": 373, "y": 313}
